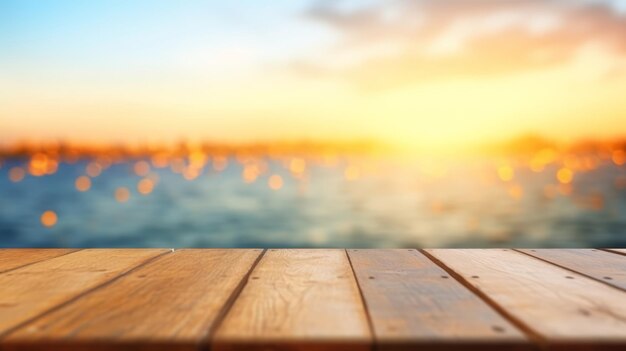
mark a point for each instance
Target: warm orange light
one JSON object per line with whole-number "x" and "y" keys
{"x": 177, "y": 165}
{"x": 250, "y": 173}
{"x": 536, "y": 166}
{"x": 589, "y": 163}
{"x": 549, "y": 191}
{"x": 38, "y": 164}
{"x": 197, "y": 159}
{"x": 122, "y": 194}
{"x": 220, "y": 163}
{"x": 506, "y": 173}
{"x": 93, "y": 169}
{"x": 142, "y": 168}
{"x": 541, "y": 159}
{"x": 41, "y": 164}
{"x": 275, "y": 182}
{"x": 16, "y": 174}
{"x": 571, "y": 162}
{"x": 83, "y": 183}
{"x": 619, "y": 157}
{"x": 159, "y": 160}
{"x": 565, "y": 189}
{"x": 516, "y": 191}
{"x": 352, "y": 173}
{"x": 297, "y": 166}
{"x": 145, "y": 186}
{"x": 104, "y": 161}
{"x": 191, "y": 173}
{"x": 49, "y": 219}
{"x": 565, "y": 175}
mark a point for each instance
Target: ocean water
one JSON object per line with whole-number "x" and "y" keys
{"x": 367, "y": 203}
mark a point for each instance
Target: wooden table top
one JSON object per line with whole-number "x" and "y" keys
{"x": 312, "y": 299}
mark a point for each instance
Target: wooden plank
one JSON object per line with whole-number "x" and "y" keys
{"x": 15, "y": 258}
{"x": 597, "y": 264}
{"x": 413, "y": 303}
{"x": 565, "y": 310}
{"x": 618, "y": 251}
{"x": 169, "y": 303}
{"x": 297, "y": 300}
{"x": 30, "y": 291}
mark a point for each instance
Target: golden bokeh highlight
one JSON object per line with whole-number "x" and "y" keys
{"x": 297, "y": 165}
{"x": 516, "y": 191}
{"x": 160, "y": 160}
{"x": 250, "y": 173}
{"x": 275, "y": 182}
{"x": 506, "y": 173}
{"x": 197, "y": 159}
{"x": 16, "y": 174}
{"x": 93, "y": 169}
{"x": 82, "y": 183}
{"x": 191, "y": 173}
{"x": 619, "y": 157}
{"x": 41, "y": 164}
{"x": 220, "y": 163}
{"x": 122, "y": 194}
{"x": 48, "y": 219}
{"x": 145, "y": 186}
{"x": 564, "y": 175}
{"x": 177, "y": 165}
{"x": 141, "y": 168}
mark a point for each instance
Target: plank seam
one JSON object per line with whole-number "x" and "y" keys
{"x": 571, "y": 270}
{"x": 370, "y": 323}
{"x": 81, "y": 294}
{"x": 532, "y": 335}
{"x": 614, "y": 252}
{"x": 205, "y": 341}
{"x": 42, "y": 260}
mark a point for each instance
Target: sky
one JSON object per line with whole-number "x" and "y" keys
{"x": 409, "y": 72}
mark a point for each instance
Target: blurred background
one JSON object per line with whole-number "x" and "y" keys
{"x": 306, "y": 123}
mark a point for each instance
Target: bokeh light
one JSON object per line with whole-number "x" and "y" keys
{"x": 16, "y": 174}
{"x": 122, "y": 194}
{"x": 565, "y": 175}
{"x": 275, "y": 182}
{"x": 145, "y": 186}
{"x": 82, "y": 183}
{"x": 48, "y": 219}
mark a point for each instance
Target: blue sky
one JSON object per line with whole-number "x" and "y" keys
{"x": 293, "y": 69}
{"x": 115, "y": 34}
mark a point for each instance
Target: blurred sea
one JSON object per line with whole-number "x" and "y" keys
{"x": 379, "y": 203}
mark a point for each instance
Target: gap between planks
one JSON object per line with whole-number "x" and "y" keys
{"x": 534, "y": 337}
{"x": 616, "y": 251}
{"x": 370, "y": 323}
{"x": 573, "y": 270}
{"x": 80, "y": 294}
{"x": 36, "y": 261}
{"x": 205, "y": 341}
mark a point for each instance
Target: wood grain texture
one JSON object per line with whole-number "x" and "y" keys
{"x": 32, "y": 290}
{"x": 414, "y": 303}
{"x": 597, "y": 264}
{"x": 618, "y": 251}
{"x": 172, "y": 302}
{"x": 565, "y": 310}
{"x": 15, "y": 258}
{"x": 297, "y": 300}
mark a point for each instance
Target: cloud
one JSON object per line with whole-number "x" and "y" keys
{"x": 384, "y": 44}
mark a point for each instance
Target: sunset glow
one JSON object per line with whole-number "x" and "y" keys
{"x": 313, "y": 123}
{"x": 416, "y": 74}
